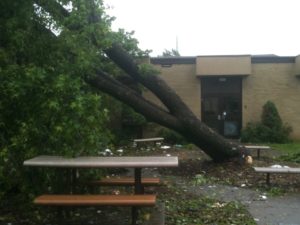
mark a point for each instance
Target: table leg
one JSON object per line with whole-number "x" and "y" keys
{"x": 134, "y": 215}
{"x": 138, "y": 188}
{"x": 73, "y": 187}
{"x": 69, "y": 184}
{"x": 268, "y": 178}
{"x": 63, "y": 181}
{"x": 258, "y": 153}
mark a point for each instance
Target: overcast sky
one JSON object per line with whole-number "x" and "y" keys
{"x": 211, "y": 27}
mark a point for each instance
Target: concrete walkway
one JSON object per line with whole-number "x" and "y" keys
{"x": 266, "y": 210}
{"x": 283, "y": 210}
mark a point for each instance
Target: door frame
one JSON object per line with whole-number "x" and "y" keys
{"x": 219, "y": 95}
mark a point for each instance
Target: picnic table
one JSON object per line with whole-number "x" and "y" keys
{"x": 269, "y": 170}
{"x": 145, "y": 140}
{"x": 258, "y": 148}
{"x": 135, "y": 162}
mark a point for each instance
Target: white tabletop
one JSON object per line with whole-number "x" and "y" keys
{"x": 271, "y": 170}
{"x": 276, "y": 170}
{"x": 149, "y": 139}
{"x": 257, "y": 147}
{"x": 103, "y": 162}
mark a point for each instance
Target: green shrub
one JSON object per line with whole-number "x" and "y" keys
{"x": 270, "y": 116}
{"x": 271, "y": 128}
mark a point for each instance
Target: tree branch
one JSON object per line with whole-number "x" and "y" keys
{"x": 125, "y": 94}
{"x": 53, "y": 7}
{"x": 154, "y": 83}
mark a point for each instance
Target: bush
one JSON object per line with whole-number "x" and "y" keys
{"x": 270, "y": 116}
{"x": 270, "y": 129}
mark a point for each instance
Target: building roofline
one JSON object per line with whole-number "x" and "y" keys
{"x": 243, "y": 55}
{"x": 173, "y": 60}
{"x": 272, "y": 59}
{"x": 192, "y": 59}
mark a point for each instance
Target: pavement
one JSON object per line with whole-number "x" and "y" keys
{"x": 282, "y": 210}
{"x": 265, "y": 210}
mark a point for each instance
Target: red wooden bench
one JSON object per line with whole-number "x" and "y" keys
{"x": 125, "y": 181}
{"x": 96, "y": 200}
{"x": 133, "y": 201}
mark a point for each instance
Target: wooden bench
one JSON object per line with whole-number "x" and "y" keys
{"x": 125, "y": 181}
{"x": 96, "y": 200}
{"x": 143, "y": 140}
{"x": 257, "y": 148}
{"x": 269, "y": 170}
{"x": 133, "y": 201}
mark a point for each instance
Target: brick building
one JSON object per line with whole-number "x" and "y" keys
{"x": 227, "y": 92}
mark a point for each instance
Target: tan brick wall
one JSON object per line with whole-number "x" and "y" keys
{"x": 297, "y": 66}
{"x": 276, "y": 82}
{"x": 223, "y": 65}
{"x": 268, "y": 81}
{"x": 183, "y": 80}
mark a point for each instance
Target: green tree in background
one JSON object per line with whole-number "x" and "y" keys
{"x": 170, "y": 53}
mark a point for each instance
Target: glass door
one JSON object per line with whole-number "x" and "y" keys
{"x": 221, "y": 105}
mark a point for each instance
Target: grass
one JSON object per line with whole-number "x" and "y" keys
{"x": 290, "y": 151}
{"x": 288, "y": 148}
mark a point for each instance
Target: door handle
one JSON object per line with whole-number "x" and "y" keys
{"x": 224, "y": 115}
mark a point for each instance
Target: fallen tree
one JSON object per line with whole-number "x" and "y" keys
{"x": 176, "y": 115}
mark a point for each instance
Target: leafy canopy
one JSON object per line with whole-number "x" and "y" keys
{"x": 46, "y": 106}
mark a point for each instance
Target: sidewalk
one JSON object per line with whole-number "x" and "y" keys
{"x": 283, "y": 210}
